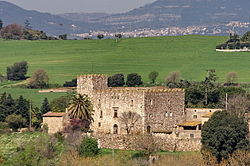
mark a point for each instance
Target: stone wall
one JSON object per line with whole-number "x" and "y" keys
{"x": 131, "y": 142}
{"x": 164, "y": 110}
{"x": 195, "y": 114}
{"x": 55, "y": 124}
{"x": 119, "y": 101}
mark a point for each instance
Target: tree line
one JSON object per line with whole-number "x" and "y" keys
{"x": 25, "y": 32}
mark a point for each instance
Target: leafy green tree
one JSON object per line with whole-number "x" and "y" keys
{"x": 116, "y": 80}
{"x": 152, "y": 76}
{"x": 15, "y": 121}
{"x": 17, "y": 71}
{"x": 72, "y": 83}
{"x": 88, "y": 147}
{"x": 45, "y": 106}
{"x": 63, "y": 37}
{"x": 39, "y": 79}
{"x": 81, "y": 107}
{"x": 134, "y": 79}
{"x": 60, "y": 104}
{"x": 223, "y": 134}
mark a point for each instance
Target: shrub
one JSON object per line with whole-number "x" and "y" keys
{"x": 152, "y": 76}
{"x": 134, "y": 79}
{"x": 15, "y": 121}
{"x": 88, "y": 147}
{"x": 39, "y": 79}
{"x": 116, "y": 80}
{"x": 17, "y": 71}
{"x": 72, "y": 83}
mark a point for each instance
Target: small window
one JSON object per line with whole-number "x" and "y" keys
{"x": 191, "y": 135}
{"x": 101, "y": 114}
{"x": 171, "y": 114}
{"x": 195, "y": 116}
{"x": 166, "y": 114}
{"x": 194, "y": 110}
{"x": 210, "y": 111}
{"x": 151, "y": 102}
{"x": 115, "y": 129}
{"x": 99, "y": 124}
{"x": 115, "y": 113}
{"x": 132, "y": 103}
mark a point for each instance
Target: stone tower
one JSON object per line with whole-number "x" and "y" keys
{"x": 86, "y": 84}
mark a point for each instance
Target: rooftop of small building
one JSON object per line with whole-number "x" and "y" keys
{"x": 190, "y": 123}
{"x": 54, "y": 114}
{"x": 208, "y": 115}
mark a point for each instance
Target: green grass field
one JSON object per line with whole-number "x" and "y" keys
{"x": 64, "y": 60}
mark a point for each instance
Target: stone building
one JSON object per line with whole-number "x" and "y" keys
{"x": 55, "y": 121}
{"x": 159, "y": 108}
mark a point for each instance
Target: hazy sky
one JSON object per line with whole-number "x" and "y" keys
{"x": 64, "y": 6}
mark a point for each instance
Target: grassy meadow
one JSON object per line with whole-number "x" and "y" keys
{"x": 64, "y": 60}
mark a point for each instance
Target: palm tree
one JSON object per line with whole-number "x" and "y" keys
{"x": 81, "y": 107}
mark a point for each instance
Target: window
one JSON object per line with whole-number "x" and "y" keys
{"x": 195, "y": 116}
{"x": 101, "y": 114}
{"x": 132, "y": 103}
{"x": 166, "y": 114}
{"x": 171, "y": 114}
{"x": 99, "y": 124}
{"x": 194, "y": 110}
{"x": 191, "y": 135}
{"x": 115, "y": 129}
{"x": 151, "y": 102}
{"x": 115, "y": 113}
{"x": 148, "y": 129}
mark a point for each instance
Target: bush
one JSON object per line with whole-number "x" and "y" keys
{"x": 15, "y": 121}
{"x": 17, "y": 71}
{"x": 116, "y": 80}
{"x": 39, "y": 79}
{"x": 134, "y": 79}
{"x": 152, "y": 76}
{"x": 88, "y": 147}
{"x": 72, "y": 83}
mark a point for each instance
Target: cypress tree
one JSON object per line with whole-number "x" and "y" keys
{"x": 45, "y": 106}
{"x": 22, "y": 107}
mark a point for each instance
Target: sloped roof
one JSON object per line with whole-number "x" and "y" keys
{"x": 190, "y": 123}
{"x": 54, "y": 114}
{"x": 208, "y": 115}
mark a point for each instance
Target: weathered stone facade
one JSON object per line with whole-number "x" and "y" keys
{"x": 55, "y": 121}
{"x": 160, "y": 108}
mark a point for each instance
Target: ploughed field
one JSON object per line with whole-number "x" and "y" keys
{"x": 64, "y": 60}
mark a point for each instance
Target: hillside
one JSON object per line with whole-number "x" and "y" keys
{"x": 52, "y": 24}
{"x": 213, "y": 15}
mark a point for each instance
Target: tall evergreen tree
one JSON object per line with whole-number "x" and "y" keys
{"x": 22, "y": 107}
{"x": 45, "y": 106}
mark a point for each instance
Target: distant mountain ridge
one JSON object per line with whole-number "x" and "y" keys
{"x": 156, "y": 15}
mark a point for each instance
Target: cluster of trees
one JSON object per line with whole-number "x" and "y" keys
{"x": 235, "y": 42}
{"x": 19, "y": 32}
{"x": 18, "y": 71}
{"x": 16, "y": 112}
{"x": 133, "y": 79}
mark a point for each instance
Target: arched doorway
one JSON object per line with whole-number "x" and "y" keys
{"x": 115, "y": 129}
{"x": 148, "y": 129}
